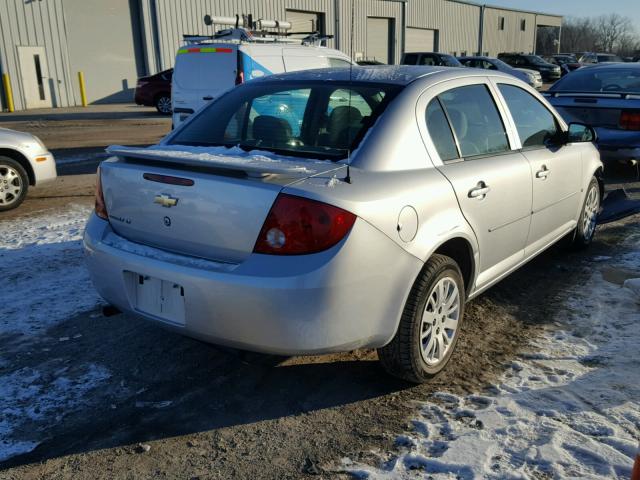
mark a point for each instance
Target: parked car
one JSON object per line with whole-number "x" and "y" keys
{"x": 24, "y": 162}
{"x": 530, "y": 77}
{"x": 207, "y": 68}
{"x": 607, "y": 97}
{"x": 548, "y": 71}
{"x": 155, "y": 91}
{"x": 430, "y": 58}
{"x": 247, "y": 229}
{"x": 600, "y": 58}
{"x": 567, "y": 63}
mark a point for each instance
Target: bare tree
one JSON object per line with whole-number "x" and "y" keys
{"x": 606, "y": 33}
{"x": 611, "y": 29}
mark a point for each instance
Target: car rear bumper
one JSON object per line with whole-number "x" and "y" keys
{"x": 347, "y": 297}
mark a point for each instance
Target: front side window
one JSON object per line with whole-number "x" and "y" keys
{"x": 475, "y": 120}
{"x": 428, "y": 60}
{"x": 310, "y": 119}
{"x": 535, "y": 124}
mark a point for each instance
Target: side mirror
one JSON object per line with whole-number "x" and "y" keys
{"x": 580, "y": 133}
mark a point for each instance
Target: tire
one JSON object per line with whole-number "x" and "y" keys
{"x": 408, "y": 355}
{"x": 163, "y": 104}
{"x": 14, "y": 184}
{"x": 583, "y": 234}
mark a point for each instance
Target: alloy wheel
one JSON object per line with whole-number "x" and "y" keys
{"x": 11, "y": 185}
{"x": 590, "y": 215}
{"x": 440, "y": 321}
{"x": 164, "y": 105}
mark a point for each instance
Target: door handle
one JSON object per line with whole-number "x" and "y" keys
{"x": 208, "y": 97}
{"x": 543, "y": 173}
{"x": 479, "y": 191}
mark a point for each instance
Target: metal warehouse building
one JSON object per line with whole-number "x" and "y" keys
{"x": 45, "y": 43}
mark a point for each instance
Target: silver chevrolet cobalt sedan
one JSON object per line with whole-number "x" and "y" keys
{"x": 330, "y": 210}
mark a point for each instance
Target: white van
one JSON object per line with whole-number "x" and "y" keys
{"x": 205, "y": 70}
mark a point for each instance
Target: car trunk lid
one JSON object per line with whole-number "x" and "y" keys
{"x": 206, "y": 205}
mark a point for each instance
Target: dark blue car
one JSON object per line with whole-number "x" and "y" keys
{"x": 607, "y": 97}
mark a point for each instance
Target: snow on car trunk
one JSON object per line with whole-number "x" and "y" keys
{"x": 568, "y": 408}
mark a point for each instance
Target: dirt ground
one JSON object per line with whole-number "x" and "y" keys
{"x": 207, "y": 412}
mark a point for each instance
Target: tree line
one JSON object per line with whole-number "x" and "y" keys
{"x": 611, "y": 33}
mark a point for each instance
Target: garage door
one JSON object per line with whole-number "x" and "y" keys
{"x": 379, "y": 41}
{"x": 305, "y": 22}
{"x": 420, "y": 40}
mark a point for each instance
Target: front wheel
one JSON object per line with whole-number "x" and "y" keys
{"x": 588, "y": 216}
{"x": 14, "y": 184}
{"x": 430, "y": 324}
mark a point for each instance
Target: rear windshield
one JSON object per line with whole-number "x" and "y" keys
{"x": 600, "y": 79}
{"x": 322, "y": 120}
{"x": 535, "y": 60}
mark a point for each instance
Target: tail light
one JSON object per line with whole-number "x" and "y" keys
{"x": 101, "y": 208}
{"x": 239, "y": 69}
{"x": 630, "y": 120}
{"x": 240, "y": 78}
{"x": 297, "y": 226}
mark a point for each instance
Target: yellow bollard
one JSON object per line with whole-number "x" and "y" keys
{"x": 83, "y": 92}
{"x": 8, "y": 93}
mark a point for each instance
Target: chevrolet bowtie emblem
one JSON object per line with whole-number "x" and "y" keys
{"x": 165, "y": 200}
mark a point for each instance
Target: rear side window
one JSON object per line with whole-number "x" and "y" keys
{"x": 475, "y": 120}
{"x": 440, "y": 131}
{"x": 410, "y": 59}
{"x": 338, "y": 62}
{"x": 535, "y": 124}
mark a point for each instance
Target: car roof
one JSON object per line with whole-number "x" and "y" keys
{"x": 388, "y": 74}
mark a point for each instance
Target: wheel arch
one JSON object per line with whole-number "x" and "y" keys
{"x": 462, "y": 252}
{"x": 22, "y": 160}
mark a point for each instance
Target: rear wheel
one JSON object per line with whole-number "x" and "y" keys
{"x": 163, "y": 104}
{"x": 588, "y": 217}
{"x": 14, "y": 184}
{"x": 430, "y": 324}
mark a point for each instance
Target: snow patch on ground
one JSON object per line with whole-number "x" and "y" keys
{"x": 569, "y": 408}
{"x": 28, "y": 396}
{"x": 46, "y": 280}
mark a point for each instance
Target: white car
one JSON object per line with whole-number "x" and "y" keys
{"x": 534, "y": 77}
{"x": 24, "y": 162}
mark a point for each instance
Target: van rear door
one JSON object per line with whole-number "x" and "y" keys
{"x": 201, "y": 73}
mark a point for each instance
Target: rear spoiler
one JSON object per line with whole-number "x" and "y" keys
{"x": 568, "y": 93}
{"x": 222, "y": 158}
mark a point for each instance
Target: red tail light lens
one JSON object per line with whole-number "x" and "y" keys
{"x": 101, "y": 208}
{"x": 630, "y": 120}
{"x": 297, "y": 226}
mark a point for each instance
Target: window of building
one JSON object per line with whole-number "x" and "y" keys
{"x": 500, "y": 23}
{"x": 523, "y": 24}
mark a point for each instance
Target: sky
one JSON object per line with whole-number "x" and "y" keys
{"x": 579, "y": 8}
